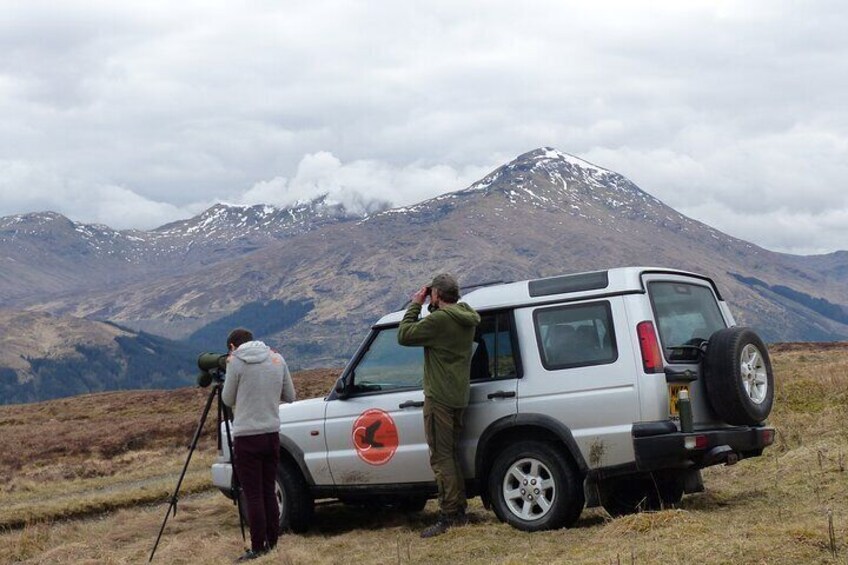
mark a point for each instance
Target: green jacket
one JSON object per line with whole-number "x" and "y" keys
{"x": 446, "y": 335}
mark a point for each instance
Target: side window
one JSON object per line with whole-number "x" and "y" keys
{"x": 387, "y": 366}
{"x": 494, "y": 357}
{"x": 576, "y": 336}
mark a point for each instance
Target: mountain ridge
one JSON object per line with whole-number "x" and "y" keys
{"x": 542, "y": 214}
{"x": 41, "y": 249}
{"x": 317, "y": 288}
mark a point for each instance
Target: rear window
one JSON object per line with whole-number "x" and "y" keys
{"x": 686, "y": 314}
{"x": 575, "y": 336}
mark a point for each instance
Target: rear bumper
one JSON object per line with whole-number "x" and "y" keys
{"x": 658, "y": 445}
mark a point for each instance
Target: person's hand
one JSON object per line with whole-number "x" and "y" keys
{"x": 420, "y": 296}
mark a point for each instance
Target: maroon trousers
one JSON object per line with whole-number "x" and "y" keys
{"x": 256, "y": 459}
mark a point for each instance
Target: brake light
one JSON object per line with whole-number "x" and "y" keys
{"x": 651, "y": 356}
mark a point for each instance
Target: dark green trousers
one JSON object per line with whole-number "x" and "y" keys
{"x": 442, "y": 428}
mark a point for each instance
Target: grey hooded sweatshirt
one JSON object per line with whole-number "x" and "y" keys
{"x": 256, "y": 380}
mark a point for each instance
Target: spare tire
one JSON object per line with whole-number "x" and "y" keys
{"x": 738, "y": 376}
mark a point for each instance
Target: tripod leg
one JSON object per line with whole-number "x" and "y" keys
{"x": 236, "y": 483}
{"x": 173, "y": 504}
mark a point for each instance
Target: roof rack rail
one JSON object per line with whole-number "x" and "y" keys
{"x": 482, "y": 284}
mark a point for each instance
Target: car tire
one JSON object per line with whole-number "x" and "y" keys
{"x": 295, "y": 503}
{"x": 533, "y": 486}
{"x": 738, "y": 376}
{"x": 630, "y": 494}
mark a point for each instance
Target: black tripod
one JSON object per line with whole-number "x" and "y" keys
{"x": 223, "y": 414}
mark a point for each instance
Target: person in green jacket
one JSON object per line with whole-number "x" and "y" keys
{"x": 447, "y": 335}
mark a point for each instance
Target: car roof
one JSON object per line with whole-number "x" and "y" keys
{"x": 620, "y": 280}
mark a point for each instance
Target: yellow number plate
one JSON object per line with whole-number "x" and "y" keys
{"x": 673, "y": 393}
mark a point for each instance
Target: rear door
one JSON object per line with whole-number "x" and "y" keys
{"x": 686, "y": 313}
{"x": 582, "y": 373}
{"x": 495, "y": 370}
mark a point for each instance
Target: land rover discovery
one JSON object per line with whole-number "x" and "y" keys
{"x": 611, "y": 388}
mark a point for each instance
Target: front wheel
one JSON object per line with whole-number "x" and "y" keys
{"x": 293, "y": 498}
{"x": 533, "y": 487}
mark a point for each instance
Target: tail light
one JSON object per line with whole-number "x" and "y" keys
{"x": 768, "y": 437}
{"x": 695, "y": 442}
{"x": 650, "y": 346}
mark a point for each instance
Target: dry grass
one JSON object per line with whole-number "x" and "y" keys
{"x": 774, "y": 509}
{"x": 92, "y": 453}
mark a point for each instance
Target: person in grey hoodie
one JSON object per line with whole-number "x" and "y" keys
{"x": 257, "y": 379}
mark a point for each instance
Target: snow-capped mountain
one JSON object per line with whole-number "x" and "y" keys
{"x": 57, "y": 256}
{"x": 550, "y": 180}
{"x": 226, "y": 222}
{"x": 311, "y": 279}
{"x": 544, "y": 213}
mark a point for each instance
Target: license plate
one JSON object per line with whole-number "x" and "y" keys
{"x": 673, "y": 394}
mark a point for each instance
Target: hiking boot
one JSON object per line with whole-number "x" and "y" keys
{"x": 460, "y": 518}
{"x": 444, "y": 523}
{"x": 250, "y": 555}
{"x": 441, "y": 526}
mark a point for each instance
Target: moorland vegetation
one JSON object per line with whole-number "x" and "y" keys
{"x": 87, "y": 479}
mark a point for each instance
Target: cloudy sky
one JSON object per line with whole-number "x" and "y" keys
{"x": 136, "y": 114}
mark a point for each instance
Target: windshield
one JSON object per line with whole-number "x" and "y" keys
{"x": 686, "y": 315}
{"x": 388, "y": 365}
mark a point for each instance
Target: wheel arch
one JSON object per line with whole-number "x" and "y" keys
{"x": 524, "y": 427}
{"x": 291, "y": 454}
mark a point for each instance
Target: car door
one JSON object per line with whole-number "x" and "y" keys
{"x": 583, "y": 375}
{"x": 495, "y": 370}
{"x": 375, "y": 434}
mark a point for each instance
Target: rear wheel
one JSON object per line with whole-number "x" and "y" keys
{"x": 630, "y": 494}
{"x": 739, "y": 379}
{"x": 533, "y": 487}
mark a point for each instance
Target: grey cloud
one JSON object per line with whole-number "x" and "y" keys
{"x": 362, "y": 186}
{"x": 706, "y": 105}
{"x": 26, "y": 189}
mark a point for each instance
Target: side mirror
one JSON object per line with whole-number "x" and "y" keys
{"x": 341, "y": 388}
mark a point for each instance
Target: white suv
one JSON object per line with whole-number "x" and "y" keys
{"x": 575, "y": 390}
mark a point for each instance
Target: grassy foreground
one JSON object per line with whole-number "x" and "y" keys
{"x": 789, "y": 506}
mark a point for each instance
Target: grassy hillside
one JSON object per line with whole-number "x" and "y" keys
{"x": 788, "y": 506}
{"x": 43, "y": 356}
{"x": 82, "y": 455}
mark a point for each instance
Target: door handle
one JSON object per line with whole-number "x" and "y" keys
{"x": 501, "y": 394}
{"x": 411, "y": 404}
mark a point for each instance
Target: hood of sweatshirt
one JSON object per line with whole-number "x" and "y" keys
{"x": 462, "y": 314}
{"x": 252, "y": 352}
